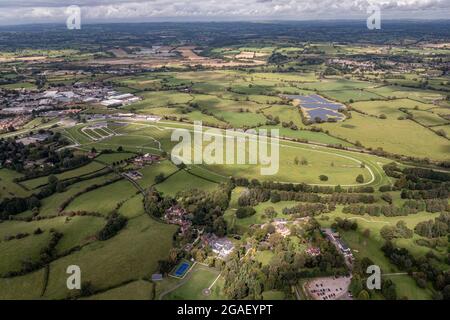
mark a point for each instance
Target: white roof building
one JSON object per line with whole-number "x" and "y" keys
{"x": 122, "y": 96}
{"x": 112, "y": 103}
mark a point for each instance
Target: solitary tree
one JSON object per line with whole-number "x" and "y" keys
{"x": 360, "y": 178}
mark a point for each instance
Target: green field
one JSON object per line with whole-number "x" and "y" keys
{"x": 27, "y": 287}
{"x": 428, "y": 118}
{"x": 84, "y": 170}
{"x": 258, "y": 217}
{"x": 198, "y": 279}
{"x": 136, "y": 290}
{"x": 8, "y": 188}
{"x": 182, "y": 181}
{"x": 405, "y": 136}
{"x": 134, "y": 207}
{"x": 165, "y": 167}
{"x": 104, "y": 199}
{"x": 76, "y": 231}
{"x": 50, "y": 205}
{"x": 127, "y": 256}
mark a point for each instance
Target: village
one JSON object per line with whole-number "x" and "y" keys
{"x": 17, "y": 107}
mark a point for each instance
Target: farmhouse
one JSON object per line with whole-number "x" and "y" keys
{"x": 146, "y": 159}
{"x": 177, "y": 215}
{"x": 220, "y": 246}
{"x": 281, "y": 227}
{"x": 134, "y": 175}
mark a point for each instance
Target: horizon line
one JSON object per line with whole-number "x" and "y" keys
{"x": 262, "y": 20}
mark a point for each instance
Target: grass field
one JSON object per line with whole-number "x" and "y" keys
{"x": 347, "y": 96}
{"x": 136, "y": 290}
{"x": 406, "y": 287}
{"x": 404, "y": 92}
{"x": 8, "y": 188}
{"x": 310, "y": 136}
{"x": 273, "y": 295}
{"x": 390, "y": 108}
{"x": 165, "y": 167}
{"x": 285, "y": 114}
{"x": 87, "y": 225}
{"x": 198, "y": 279}
{"x": 50, "y": 205}
{"x": 182, "y": 181}
{"x": 105, "y": 199}
{"x": 405, "y": 136}
{"x": 340, "y": 168}
{"x": 84, "y": 170}
{"x": 428, "y": 118}
{"x": 127, "y": 256}
{"x": 134, "y": 207}
{"x": 27, "y": 287}
{"x": 258, "y": 217}
{"x": 16, "y": 251}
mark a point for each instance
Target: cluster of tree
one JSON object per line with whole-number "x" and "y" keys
{"x": 289, "y": 264}
{"x": 439, "y": 193}
{"x": 114, "y": 224}
{"x": 400, "y": 230}
{"x": 358, "y": 285}
{"x": 278, "y": 58}
{"x": 18, "y": 236}
{"x": 272, "y": 121}
{"x": 307, "y": 209}
{"x": 409, "y": 207}
{"x": 302, "y": 187}
{"x": 244, "y": 212}
{"x": 14, "y": 155}
{"x": 433, "y": 229}
{"x": 376, "y": 210}
{"x": 165, "y": 266}
{"x": 344, "y": 224}
{"x": 387, "y": 197}
{"x": 360, "y": 178}
{"x": 430, "y": 205}
{"x": 291, "y": 125}
{"x": 414, "y": 173}
{"x": 13, "y": 206}
{"x": 413, "y": 178}
{"x": 155, "y": 204}
{"x": 160, "y": 178}
{"x": 245, "y": 277}
{"x": 207, "y": 208}
{"x": 423, "y": 269}
{"x": 253, "y": 196}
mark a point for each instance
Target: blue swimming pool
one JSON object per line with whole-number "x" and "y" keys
{"x": 181, "y": 270}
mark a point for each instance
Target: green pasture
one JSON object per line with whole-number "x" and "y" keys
{"x": 128, "y": 256}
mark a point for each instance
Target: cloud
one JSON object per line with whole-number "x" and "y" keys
{"x": 111, "y": 10}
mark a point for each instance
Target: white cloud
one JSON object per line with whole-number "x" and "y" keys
{"x": 48, "y": 10}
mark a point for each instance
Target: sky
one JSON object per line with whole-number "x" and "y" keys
{"x": 51, "y": 11}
